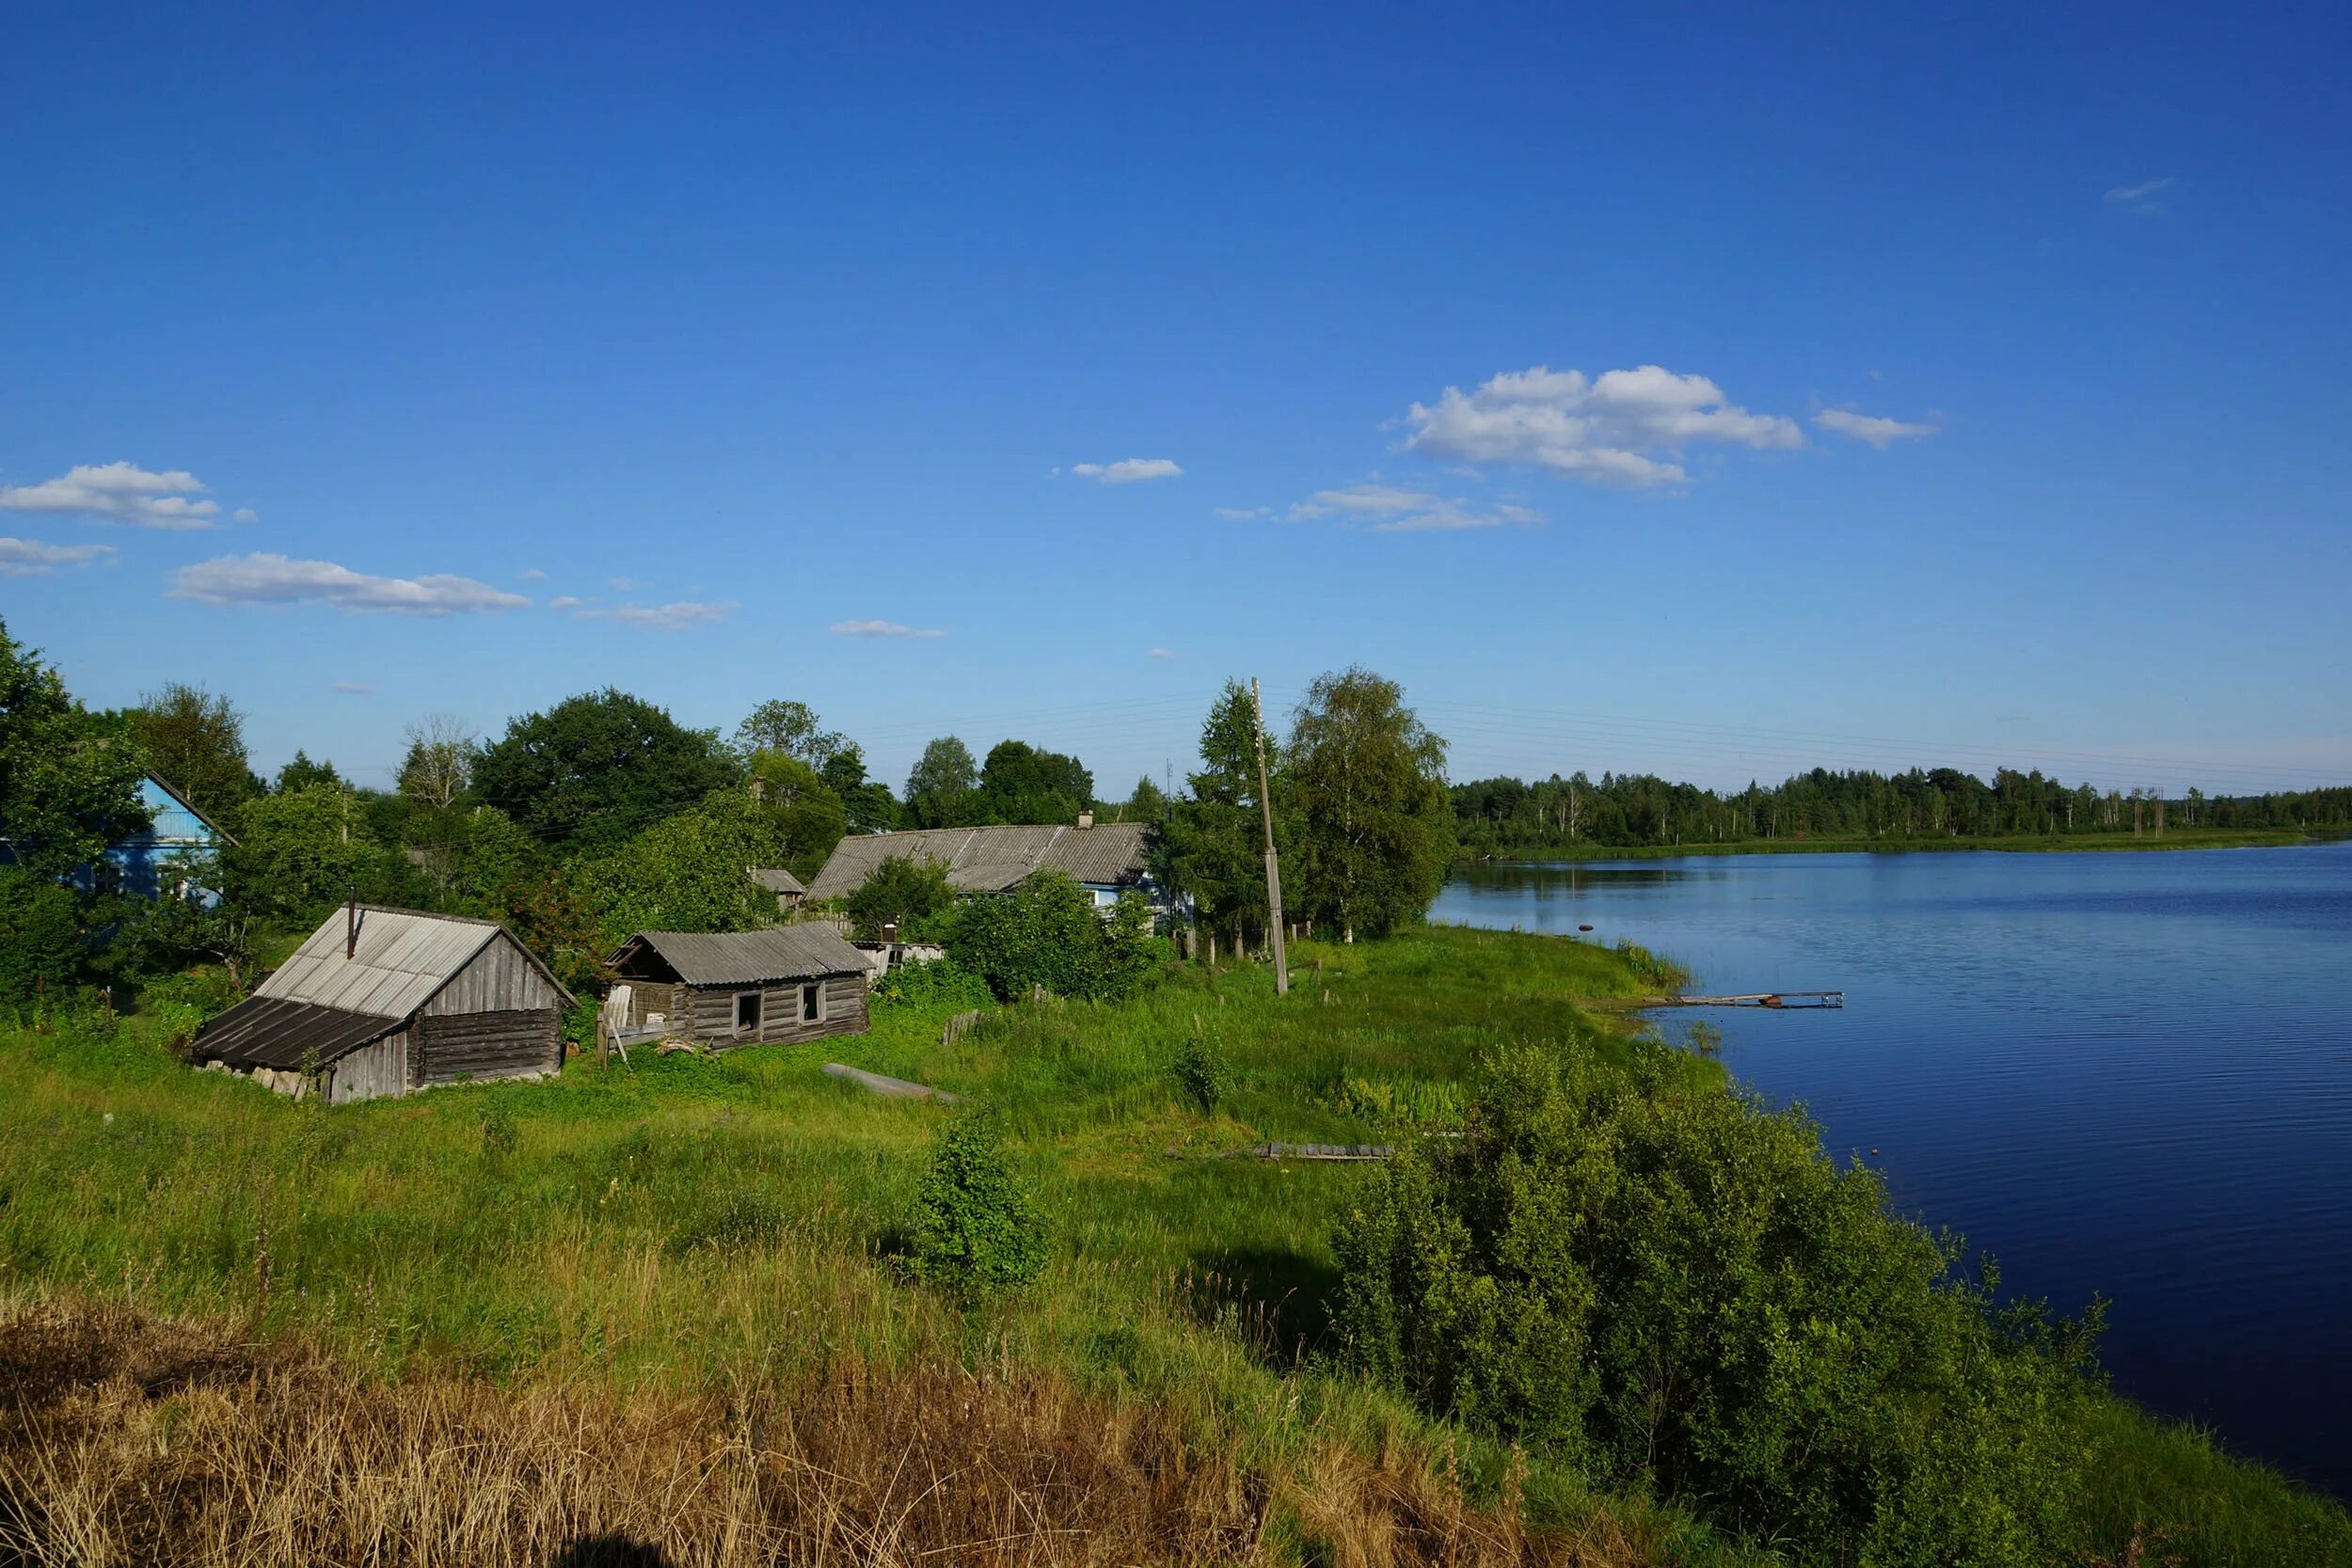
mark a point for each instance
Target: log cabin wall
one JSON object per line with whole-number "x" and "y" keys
{"x": 509, "y": 1043}
{"x": 841, "y": 1010}
{"x": 371, "y": 1073}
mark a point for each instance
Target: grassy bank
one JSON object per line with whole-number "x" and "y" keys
{"x": 688, "y": 1269}
{"x": 2176, "y": 838}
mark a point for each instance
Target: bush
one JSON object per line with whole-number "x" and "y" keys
{"x": 979, "y": 1231}
{"x": 1201, "y": 1069}
{"x": 902, "y": 889}
{"x": 1679, "y": 1289}
{"x": 40, "y": 937}
{"x": 940, "y": 983}
{"x": 1047, "y": 932}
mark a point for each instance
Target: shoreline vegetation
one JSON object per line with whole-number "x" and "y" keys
{"x": 667, "y": 1309}
{"x": 2023, "y": 843}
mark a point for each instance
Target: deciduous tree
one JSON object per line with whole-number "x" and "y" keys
{"x": 194, "y": 740}
{"x": 1368, "y": 781}
{"x": 598, "y": 767}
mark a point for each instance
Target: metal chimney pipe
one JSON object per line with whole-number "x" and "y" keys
{"x": 351, "y": 925}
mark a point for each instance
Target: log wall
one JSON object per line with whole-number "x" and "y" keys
{"x": 504, "y": 1044}
{"x": 710, "y": 1014}
{"x": 371, "y": 1073}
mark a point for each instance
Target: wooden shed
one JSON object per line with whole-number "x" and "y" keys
{"x": 738, "y": 988}
{"x": 385, "y": 1001}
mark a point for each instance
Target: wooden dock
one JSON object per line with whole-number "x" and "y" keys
{"x": 1777, "y": 1000}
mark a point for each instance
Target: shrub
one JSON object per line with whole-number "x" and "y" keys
{"x": 901, "y": 888}
{"x": 1676, "y": 1289}
{"x": 1201, "y": 1069}
{"x": 979, "y": 1231}
{"x": 940, "y": 983}
{"x": 1047, "y": 932}
{"x": 40, "y": 937}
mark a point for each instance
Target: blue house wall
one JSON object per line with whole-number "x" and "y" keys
{"x": 148, "y": 862}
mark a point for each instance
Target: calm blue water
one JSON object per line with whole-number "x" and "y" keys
{"x": 2128, "y": 1075}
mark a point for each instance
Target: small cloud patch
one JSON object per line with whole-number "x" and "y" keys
{"x": 1127, "y": 471}
{"x": 239, "y": 579}
{"x": 1881, "y": 432}
{"x": 351, "y": 688}
{"x": 31, "y": 558}
{"x": 119, "y": 493}
{"x": 881, "y": 628}
{"x": 675, "y": 616}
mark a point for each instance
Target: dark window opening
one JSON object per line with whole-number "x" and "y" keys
{"x": 747, "y": 1012}
{"x": 809, "y": 1010}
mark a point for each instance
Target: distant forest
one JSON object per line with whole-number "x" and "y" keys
{"x": 1511, "y": 816}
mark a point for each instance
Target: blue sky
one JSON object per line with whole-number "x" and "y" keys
{"x": 1713, "y": 390}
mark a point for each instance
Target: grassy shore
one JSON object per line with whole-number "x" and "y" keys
{"x": 2177, "y": 838}
{"x": 660, "y": 1304}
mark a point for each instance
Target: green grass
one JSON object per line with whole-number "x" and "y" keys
{"x": 715, "y": 1223}
{"x": 2174, "y": 839}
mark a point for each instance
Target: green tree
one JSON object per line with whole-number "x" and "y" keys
{"x": 302, "y": 772}
{"x": 867, "y": 804}
{"x": 1021, "y": 783}
{"x": 439, "y": 767}
{"x": 1677, "y": 1290}
{"x": 1047, "y": 932}
{"x": 1214, "y": 840}
{"x": 901, "y": 891}
{"x": 809, "y": 817}
{"x": 789, "y": 729}
{"x": 194, "y": 740}
{"x": 598, "y": 767}
{"x": 1368, "y": 781}
{"x": 299, "y": 853}
{"x": 940, "y": 788}
{"x": 979, "y": 1231}
{"x": 689, "y": 872}
{"x": 68, "y": 789}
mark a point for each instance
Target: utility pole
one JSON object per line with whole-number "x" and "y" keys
{"x": 1273, "y": 868}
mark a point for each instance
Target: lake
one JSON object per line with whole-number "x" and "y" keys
{"x": 2123, "y": 1073}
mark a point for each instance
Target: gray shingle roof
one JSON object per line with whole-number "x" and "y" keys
{"x": 991, "y": 859}
{"x": 776, "y": 878}
{"x": 402, "y": 959}
{"x": 752, "y": 958}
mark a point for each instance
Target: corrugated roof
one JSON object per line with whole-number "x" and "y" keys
{"x": 991, "y": 859}
{"x": 752, "y": 958}
{"x": 402, "y": 959}
{"x": 776, "y": 878}
{"x": 263, "y": 1030}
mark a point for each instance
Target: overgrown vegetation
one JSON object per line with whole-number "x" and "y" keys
{"x": 692, "y": 1234}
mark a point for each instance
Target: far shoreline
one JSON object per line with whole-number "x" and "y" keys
{"x": 2013, "y": 843}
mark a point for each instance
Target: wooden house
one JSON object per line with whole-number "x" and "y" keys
{"x": 740, "y": 988}
{"x": 385, "y": 1002}
{"x": 788, "y": 889}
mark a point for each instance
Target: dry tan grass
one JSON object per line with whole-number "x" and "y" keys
{"x": 130, "y": 1440}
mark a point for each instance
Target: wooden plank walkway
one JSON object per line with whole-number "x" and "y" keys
{"x": 1313, "y": 1152}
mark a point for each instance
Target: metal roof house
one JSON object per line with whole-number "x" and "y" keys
{"x": 742, "y": 988}
{"x": 1106, "y": 860}
{"x": 789, "y": 890}
{"x": 147, "y": 863}
{"x": 385, "y": 1001}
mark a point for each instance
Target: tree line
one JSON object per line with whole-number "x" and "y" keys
{"x": 603, "y": 814}
{"x": 1512, "y": 816}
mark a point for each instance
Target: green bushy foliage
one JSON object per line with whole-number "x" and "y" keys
{"x": 1416, "y": 1102}
{"x": 1046, "y": 933}
{"x": 943, "y": 982}
{"x": 1202, "y": 1069}
{"x": 901, "y": 888}
{"x": 40, "y": 936}
{"x": 979, "y": 1233}
{"x": 1676, "y": 1288}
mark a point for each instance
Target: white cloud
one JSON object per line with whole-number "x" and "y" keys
{"x": 1127, "y": 471}
{"x": 2136, "y": 197}
{"x": 1163, "y": 653}
{"x": 351, "y": 688}
{"x": 664, "y": 617}
{"x": 121, "y": 493}
{"x": 30, "y": 558}
{"x": 627, "y": 585}
{"x": 1242, "y": 514}
{"x": 563, "y": 601}
{"x": 1879, "y": 432}
{"x": 276, "y": 580}
{"x": 1389, "y": 509}
{"x": 1622, "y": 427}
{"x": 881, "y": 628}
{"x": 245, "y": 515}
{"x": 533, "y": 574}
